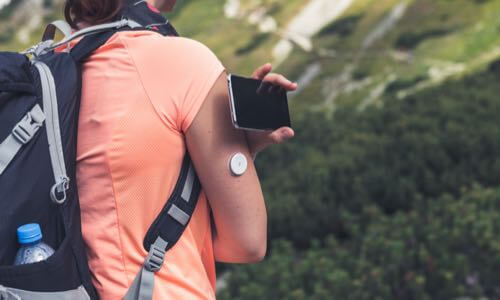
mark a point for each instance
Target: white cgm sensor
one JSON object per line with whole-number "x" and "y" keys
{"x": 238, "y": 164}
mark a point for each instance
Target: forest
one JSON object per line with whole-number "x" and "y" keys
{"x": 399, "y": 202}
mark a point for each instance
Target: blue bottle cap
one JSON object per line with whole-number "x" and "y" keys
{"x": 29, "y": 233}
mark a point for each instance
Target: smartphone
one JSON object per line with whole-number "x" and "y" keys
{"x": 257, "y": 105}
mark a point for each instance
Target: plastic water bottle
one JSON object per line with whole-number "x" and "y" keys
{"x": 32, "y": 248}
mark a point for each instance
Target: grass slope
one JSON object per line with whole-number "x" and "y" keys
{"x": 434, "y": 39}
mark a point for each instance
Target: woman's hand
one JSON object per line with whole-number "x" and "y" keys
{"x": 258, "y": 141}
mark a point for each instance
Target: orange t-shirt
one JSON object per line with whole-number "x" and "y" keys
{"x": 141, "y": 91}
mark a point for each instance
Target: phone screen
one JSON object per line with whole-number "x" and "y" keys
{"x": 258, "y": 105}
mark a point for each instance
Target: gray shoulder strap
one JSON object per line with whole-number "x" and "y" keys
{"x": 48, "y": 45}
{"x": 50, "y": 107}
{"x": 96, "y": 29}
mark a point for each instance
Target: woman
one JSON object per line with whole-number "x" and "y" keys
{"x": 146, "y": 99}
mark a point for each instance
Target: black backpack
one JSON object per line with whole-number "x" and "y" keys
{"x": 39, "y": 108}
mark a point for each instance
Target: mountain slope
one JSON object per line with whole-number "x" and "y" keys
{"x": 370, "y": 48}
{"x": 342, "y": 52}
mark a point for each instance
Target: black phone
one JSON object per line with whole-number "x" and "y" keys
{"x": 257, "y": 105}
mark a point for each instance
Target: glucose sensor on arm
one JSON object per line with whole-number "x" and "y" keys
{"x": 238, "y": 164}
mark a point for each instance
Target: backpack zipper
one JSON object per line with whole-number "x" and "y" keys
{"x": 49, "y": 95}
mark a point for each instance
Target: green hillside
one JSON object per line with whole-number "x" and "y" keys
{"x": 372, "y": 46}
{"x": 362, "y": 53}
{"x": 390, "y": 189}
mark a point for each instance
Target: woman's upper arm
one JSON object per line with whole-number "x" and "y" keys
{"x": 237, "y": 202}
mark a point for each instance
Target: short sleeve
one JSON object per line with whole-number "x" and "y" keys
{"x": 177, "y": 74}
{"x": 207, "y": 68}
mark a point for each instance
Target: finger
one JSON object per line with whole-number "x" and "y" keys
{"x": 282, "y": 81}
{"x": 262, "y": 71}
{"x": 282, "y": 134}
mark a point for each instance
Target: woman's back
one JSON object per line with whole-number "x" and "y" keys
{"x": 141, "y": 92}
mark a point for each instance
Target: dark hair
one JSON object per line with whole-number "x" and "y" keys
{"x": 91, "y": 11}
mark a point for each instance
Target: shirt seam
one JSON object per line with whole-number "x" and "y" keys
{"x": 108, "y": 165}
{"x": 195, "y": 107}
{"x": 158, "y": 114}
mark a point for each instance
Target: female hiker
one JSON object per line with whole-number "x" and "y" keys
{"x": 146, "y": 100}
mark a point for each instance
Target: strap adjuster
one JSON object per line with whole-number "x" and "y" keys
{"x": 155, "y": 258}
{"x": 25, "y": 130}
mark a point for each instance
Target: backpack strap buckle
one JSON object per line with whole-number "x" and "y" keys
{"x": 25, "y": 130}
{"x": 20, "y": 135}
{"x": 156, "y": 255}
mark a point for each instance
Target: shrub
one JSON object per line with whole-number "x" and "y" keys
{"x": 343, "y": 27}
{"x": 254, "y": 43}
{"x": 446, "y": 250}
{"x": 410, "y": 40}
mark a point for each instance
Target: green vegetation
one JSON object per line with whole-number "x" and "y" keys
{"x": 236, "y": 41}
{"x": 256, "y": 41}
{"x": 6, "y": 35}
{"x": 443, "y": 251}
{"x": 387, "y": 204}
{"x": 402, "y": 84}
{"x": 342, "y": 27}
{"x": 411, "y": 40}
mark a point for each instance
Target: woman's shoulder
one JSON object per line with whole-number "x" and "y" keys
{"x": 177, "y": 73}
{"x": 152, "y": 43}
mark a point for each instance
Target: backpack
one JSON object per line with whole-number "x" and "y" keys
{"x": 39, "y": 109}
